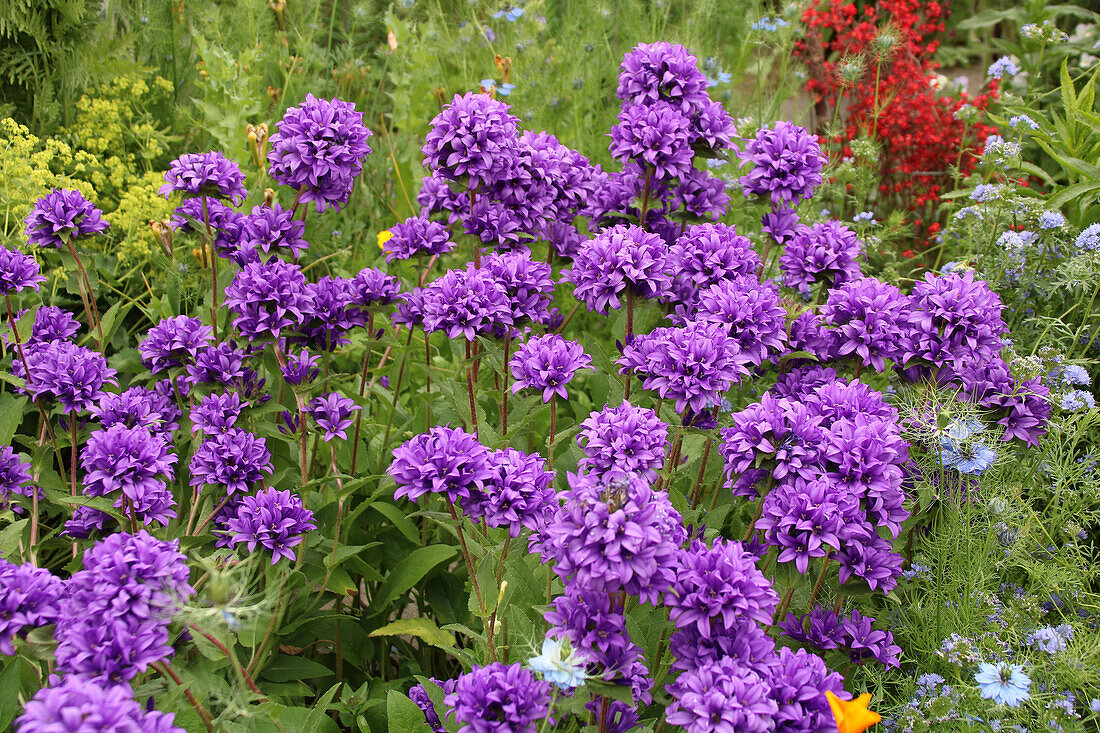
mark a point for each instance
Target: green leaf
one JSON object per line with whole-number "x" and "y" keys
{"x": 10, "y": 684}
{"x": 404, "y": 715}
{"x": 284, "y": 668}
{"x": 10, "y": 536}
{"x": 422, "y": 628}
{"x": 315, "y": 719}
{"x": 11, "y": 414}
{"x": 403, "y": 524}
{"x": 412, "y": 569}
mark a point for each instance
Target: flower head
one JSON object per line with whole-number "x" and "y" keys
{"x": 695, "y": 365}
{"x": 205, "y": 174}
{"x": 443, "y": 460}
{"x": 18, "y": 271}
{"x": 619, "y": 258}
{"x": 706, "y": 254}
{"x": 786, "y": 164}
{"x": 417, "y": 236}
{"x": 827, "y": 252}
{"x": 472, "y": 140}
{"x": 173, "y": 342}
{"x": 266, "y": 298}
{"x": 623, "y": 440}
{"x": 131, "y": 464}
{"x": 723, "y": 696}
{"x": 852, "y": 716}
{"x": 71, "y": 374}
{"x": 84, "y": 705}
{"x": 656, "y": 136}
{"x": 318, "y": 150}
{"x": 547, "y": 363}
{"x": 233, "y": 459}
{"x": 1003, "y": 683}
{"x": 272, "y": 229}
{"x": 616, "y": 536}
{"x": 275, "y": 520}
{"x": 332, "y": 414}
{"x": 559, "y": 666}
{"x": 663, "y": 72}
{"x": 29, "y": 598}
{"x": 61, "y": 215}
{"x": 499, "y": 698}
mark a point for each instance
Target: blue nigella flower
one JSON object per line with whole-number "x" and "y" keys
{"x": 1004, "y": 683}
{"x": 511, "y": 14}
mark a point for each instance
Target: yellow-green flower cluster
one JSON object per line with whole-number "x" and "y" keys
{"x": 29, "y": 169}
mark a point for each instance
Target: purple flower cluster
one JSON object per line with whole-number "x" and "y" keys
{"x": 71, "y": 374}
{"x": 826, "y": 253}
{"x": 84, "y": 705}
{"x": 173, "y": 342}
{"x": 417, "y": 236}
{"x": 506, "y": 488}
{"x": 708, "y": 254}
{"x": 331, "y": 412}
{"x": 694, "y": 365}
{"x": 786, "y": 164}
{"x": 547, "y": 363}
{"x": 954, "y": 321}
{"x": 1021, "y": 408}
{"x": 132, "y": 465}
{"x": 271, "y": 229}
{"x": 318, "y": 150}
{"x": 472, "y": 140}
{"x": 518, "y": 493}
{"x": 420, "y": 696}
{"x": 272, "y": 519}
{"x": 18, "y": 271}
{"x": 667, "y": 114}
{"x": 15, "y": 474}
{"x": 60, "y": 216}
{"x": 824, "y": 629}
{"x": 29, "y": 598}
{"x": 233, "y": 459}
{"x": 443, "y": 460}
{"x": 464, "y": 303}
{"x": 267, "y": 297}
{"x": 116, "y": 611}
{"x": 205, "y": 174}
{"x": 623, "y": 441}
{"x": 595, "y": 627}
{"x": 499, "y": 698}
{"x": 619, "y": 259}
{"x": 868, "y": 319}
{"x": 830, "y": 458}
{"x": 139, "y": 407}
{"x": 615, "y": 536}
{"x": 751, "y": 313}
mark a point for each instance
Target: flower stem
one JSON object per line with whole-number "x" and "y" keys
{"x": 697, "y": 492}
{"x": 208, "y": 236}
{"x": 553, "y": 430}
{"x": 166, "y": 670}
{"x": 90, "y": 308}
{"x": 470, "y": 389}
{"x": 470, "y": 568}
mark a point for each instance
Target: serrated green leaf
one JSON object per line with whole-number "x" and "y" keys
{"x": 422, "y": 628}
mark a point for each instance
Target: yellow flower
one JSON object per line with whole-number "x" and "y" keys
{"x": 852, "y": 716}
{"x": 383, "y": 237}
